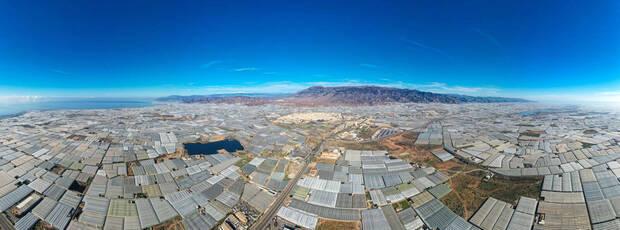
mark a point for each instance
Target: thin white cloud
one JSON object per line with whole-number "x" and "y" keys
{"x": 610, "y": 93}
{"x": 250, "y": 87}
{"x": 424, "y": 46}
{"x": 273, "y": 87}
{"x": 58, "y": 71}
{"x": 25, "y": 95}
{"x": 17, "y": 99}
{"x": 245, "y": 69}
{"x": 489, "y": 37}
{"x": 440, "y": 87}
{"x": 210, "y": 64}
{"x": 366, "y": 65}
{"x": 577, "y": 97}
{"x": 292, "y": 87}
{"x": 282, "y": 87}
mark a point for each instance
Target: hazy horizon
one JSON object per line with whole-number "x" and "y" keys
{"x": 478, "y": 48}
{"x": 577, "y": 97}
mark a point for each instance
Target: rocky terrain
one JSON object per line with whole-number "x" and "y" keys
{"x": 345, "y": 95}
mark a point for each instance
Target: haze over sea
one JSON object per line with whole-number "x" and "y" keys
{"x": 8, "y": 109}
{"x": 18, "y": 107}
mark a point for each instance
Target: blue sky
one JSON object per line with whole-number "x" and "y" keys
{"x": 536, "y": 49}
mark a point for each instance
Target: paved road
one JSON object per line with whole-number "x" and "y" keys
{"x": 266, "y": 218}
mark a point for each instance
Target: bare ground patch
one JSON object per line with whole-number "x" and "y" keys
{"x": 337, "y": 225}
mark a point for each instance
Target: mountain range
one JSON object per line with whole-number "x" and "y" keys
{"x": 342, "y": 95}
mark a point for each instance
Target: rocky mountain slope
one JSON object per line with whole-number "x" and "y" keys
{"x": 344, "y": 95}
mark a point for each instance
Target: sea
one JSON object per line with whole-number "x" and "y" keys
{"x": 16, "y": 109}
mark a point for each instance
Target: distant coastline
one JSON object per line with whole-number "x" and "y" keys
{"x": 9, "y": 115}
{"x": 18, "y": 109}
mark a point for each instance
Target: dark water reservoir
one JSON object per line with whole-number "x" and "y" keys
{"x": 230, "y": 145}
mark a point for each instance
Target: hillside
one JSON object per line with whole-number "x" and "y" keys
{"x": 372, "y": 95}
{"x": 344, "y": 95}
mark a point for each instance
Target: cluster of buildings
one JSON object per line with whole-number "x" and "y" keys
{"x": 525, "y": 140}
{"x": 497, "y": 214}
{"x": 583, "y": 199}
{"x": 268, "y": 173}
{"x": 574, "y": 151}
{"x": 126, "y": 168}
{"x": 366, "y": 186}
